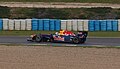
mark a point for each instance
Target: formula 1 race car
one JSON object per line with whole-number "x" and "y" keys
{"x": 80, "y": 37}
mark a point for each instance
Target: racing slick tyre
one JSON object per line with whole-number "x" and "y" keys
{"x": 34, "y": 38}
{"x": 82, "y": 42}
{"x": 76, "y": 40}
{"x": 38, "y": 38}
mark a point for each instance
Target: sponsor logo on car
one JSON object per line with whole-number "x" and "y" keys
{"x": 58, "y": 38}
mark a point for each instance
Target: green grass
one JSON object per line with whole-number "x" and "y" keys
{"x": 27, "y": 33}
{"x": 61, "y": 13}
{"x": 104, "y": 34}
{"x": 23, "y": 33}
{"x": 82, "y": 1}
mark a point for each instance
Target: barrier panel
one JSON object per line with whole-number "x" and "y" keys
{"x": 119, "y": 25}
{"x": 17, "y": 24}
{"x": 115, "y": 25}
{"x": 28, "y": 24}
{"x": 109, "y": 25}
{"x": 46, "y": 24}
{"x": 74, "y": 25}
{"x": 57, "y": 24}
{"x": 52, "y": 24}
{"x": 40, "y": 24}
{"x": 97, "y": 25}
{"x": 11, "y": 24}
{"x": 80, "y": 25}
{"x": 5, "y": 24}
{"x": 22, "y": 24}
{"x": 69, "y": 25}
{"x": 1, "y": 24}
{"x": 34, "y": 24}
{"x": 64, "y": 24}
{"x": 103, "y": 25}
{"x": 91, "y": 25}
{"x": 85, "y": 25}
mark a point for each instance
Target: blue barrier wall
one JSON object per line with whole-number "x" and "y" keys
{"x": 103, "y": 25}
{"x": 97, "y": 25}
{"x": 52, "y": 24}
{"x": 109, "y": 25}
{"x": 115, "y": 25}
{"x": 34, "y": 24}
{"x": 91, "y": 25}
{"x": 57, "y": 24}
{"x": 1, "y": 24}
{"x": 46, "y": 24}
{"x": 40, "y": 24}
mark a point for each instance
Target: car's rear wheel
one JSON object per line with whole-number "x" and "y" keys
{"x": 82, "y": 42}
{"x": 33, "y": 38}
{"x": 38, "y": 38}
{"x": 76, "y": 40}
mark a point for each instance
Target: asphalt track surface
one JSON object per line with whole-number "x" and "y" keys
{"x": 93, "y": 41}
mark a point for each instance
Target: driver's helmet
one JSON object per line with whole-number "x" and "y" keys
{"x": 61, "y": 32}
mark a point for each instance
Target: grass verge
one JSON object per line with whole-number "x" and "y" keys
{"x": 104, "y": 34}
{"x": 23, "y": 33}
{"x": 90, "y": 34}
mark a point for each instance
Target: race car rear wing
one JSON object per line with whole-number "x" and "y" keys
{"x": 85, "y": 33}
